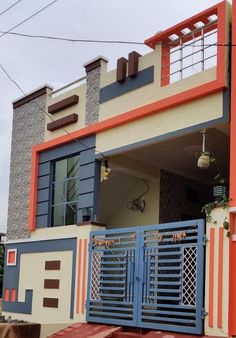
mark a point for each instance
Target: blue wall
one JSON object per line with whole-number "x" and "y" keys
{"x": 89, "y": 176}
{"x": 12, "y": 273}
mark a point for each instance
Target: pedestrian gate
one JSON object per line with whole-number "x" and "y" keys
{"x": 149, "y": 277}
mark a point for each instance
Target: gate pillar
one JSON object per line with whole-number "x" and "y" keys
{"x": 217, "y": 275}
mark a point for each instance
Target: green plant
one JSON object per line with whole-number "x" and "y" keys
{"x": 207, "y": 209}
{"x": 219, "y": 179}
{"x": 224, "y": 204}
{"x": 226, "y": 226}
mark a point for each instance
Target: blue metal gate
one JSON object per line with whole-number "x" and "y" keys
{"x": 150, "y": 276}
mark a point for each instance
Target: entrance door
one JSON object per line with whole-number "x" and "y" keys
{"x": 150, "y": 277}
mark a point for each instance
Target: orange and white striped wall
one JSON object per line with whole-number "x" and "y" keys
{"x": 217, "y": 275}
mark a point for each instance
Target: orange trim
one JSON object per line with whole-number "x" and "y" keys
{"x": 11, "y": 256}
{"x": 84, "y": 276}
{"x": 221, "y": 40}
{"x": 151, "y": 42}
{"x": 113, "y": 122}
{"x": 165, "y": 66}
{"x": 211, "y": 278}
{"x": 232, "y": 279}
{"x": 13, "y": 295}
{"x": 6, "y": 295}
{"x": 79, "y": 274}
{"x": 33, "y": 190}
{"x": 232, "y": 245}
{"x": 220, "y": 278}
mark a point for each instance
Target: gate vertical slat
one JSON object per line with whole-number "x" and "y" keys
{"x": 173, "y": 251}
{"x": 116, "y": 302}
{"x": 150, "y": 277}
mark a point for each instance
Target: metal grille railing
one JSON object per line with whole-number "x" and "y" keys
{"x": 190, "y": 53}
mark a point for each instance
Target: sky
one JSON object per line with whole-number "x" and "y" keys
{"x": 33, "y": 62}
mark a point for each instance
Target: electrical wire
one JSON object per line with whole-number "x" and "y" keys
{"x": 7, "y": 9}
{"x": 30, "y": 17}
{"x": 58, "y": 38}
{"x": 74, "y": 40}
{"x": 47, "y": 114}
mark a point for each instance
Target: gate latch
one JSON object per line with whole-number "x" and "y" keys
{"x": 204, "y": 314}
{"x": 138, "y": 279}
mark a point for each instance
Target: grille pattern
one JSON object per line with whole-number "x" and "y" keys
{"x": 95, "y": 275}
{"x": 189, "y": 276}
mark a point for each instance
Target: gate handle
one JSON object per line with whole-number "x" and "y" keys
{"x": 138, "y": 278}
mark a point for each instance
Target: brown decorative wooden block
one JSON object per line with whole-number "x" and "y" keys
{"x": 50, "y": 302}
{"x": 64, "y": 121}
{"x": 121, "y": 70}
{"x": 51, "y": 283}
{"x": 52, "y": 265}
{"x": 133, "y": 64}
{"x": 63, "y": 104}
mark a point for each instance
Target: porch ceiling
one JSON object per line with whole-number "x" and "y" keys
{"x": 179, "y": 155}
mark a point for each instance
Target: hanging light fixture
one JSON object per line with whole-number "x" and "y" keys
{"x": 204, "y": 159}
{"x": 106, "y": 170}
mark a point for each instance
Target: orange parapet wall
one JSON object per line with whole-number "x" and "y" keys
{"x": 165, "y": 38}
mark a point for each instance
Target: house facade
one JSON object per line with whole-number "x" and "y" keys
{"x": 105, "y": 221}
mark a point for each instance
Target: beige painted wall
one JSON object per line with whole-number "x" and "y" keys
{"x": 151, "y": 92}
{"x": 79, "y": 109}
{"x": 32, "y": 275}
{"x": 124, "y": 217}
{"x": 190, "y": 114}
{"x": 81, "y": 232}
{"x": 218, "y": 215}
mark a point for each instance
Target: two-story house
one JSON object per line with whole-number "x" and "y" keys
{"x": 105, "y": 219}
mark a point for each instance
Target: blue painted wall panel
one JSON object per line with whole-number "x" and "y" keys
{"x": 85, "y": 200}
{"x": 41, "y": 221}
{"x": 86, "y": 186}
{"x": 87, "y": 171}
{"x": 12, "y": 273}
{"x": 44, "y": 169}
{"x": 43, "y": 195}
{"x": 42, "y": 208}
{"x": 68, "y": 149}
{"x": 43, "y": 182}
{"x": 87, "y": 156}
{"x": 116, "y": 89}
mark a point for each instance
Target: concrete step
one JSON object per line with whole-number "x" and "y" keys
{"x": 126, "y": 335}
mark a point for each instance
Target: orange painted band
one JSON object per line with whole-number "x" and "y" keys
{"x": 84, "y": 276}
{"x": 232, "y": 276}
{"x": 220, "y": 278}
{"x": 211, "y": 278}
{"x": 33, "y": 190}
{"x": 79, "y": 275}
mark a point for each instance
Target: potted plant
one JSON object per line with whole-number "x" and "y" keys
{"x": 205, "y": 159}
{"x": 219, "y": 188}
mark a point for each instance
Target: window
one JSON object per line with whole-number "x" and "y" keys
{"x": 65, "y": 191}
{"x": 11, "y": 257}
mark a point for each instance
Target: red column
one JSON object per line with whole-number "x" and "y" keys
{"x": 232, "y": 245}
